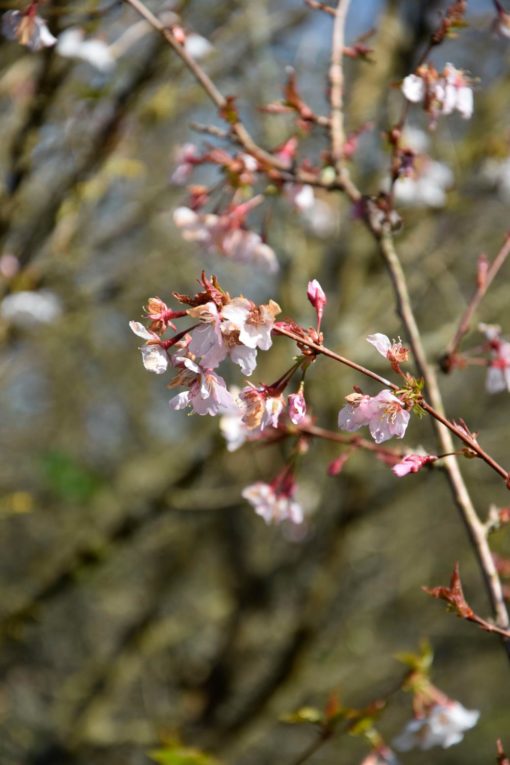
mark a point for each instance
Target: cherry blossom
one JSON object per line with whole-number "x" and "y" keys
{"x": 274, "y": 502}
{"x": 73, "y": 44}
{"x": 223, "y": 234}
{"x": 498, "y": 374}
{"x": 412, "y": 463}
{"x": 187, "y": 157}
{"x": 297, "y": 407}
{"x": 254, "y": 323}
{"x": 232, "y": 427}
{"x": 394, "y": 351}
{"x": 384, "y": 414}
{"x": 425, "y": 181}
{"x": 262, "y": 408}
{"x": 207, "y": 392}
{"x": 444, "y": 725}
{"x": 301, "y": 196}
{"x": 440, "y": 93}
{"x": 28, "y": 29}
{"x": 154, "y": 356}
{"x": 236, "y": 331}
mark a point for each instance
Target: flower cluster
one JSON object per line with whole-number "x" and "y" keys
{"x": 226, "y": 235}
{"x": 224, "y": 327}
{"x": 275, "y": 502}
{"x": 440, "y": 93}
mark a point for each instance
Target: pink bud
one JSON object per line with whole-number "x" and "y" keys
{"x": 412, "y": 463}
{"x": 317, "y": 297}
{"x": 336, "y": 466}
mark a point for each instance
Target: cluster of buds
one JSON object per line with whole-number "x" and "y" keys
{"x": 440, "y": 93}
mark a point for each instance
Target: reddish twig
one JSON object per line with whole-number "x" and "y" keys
{"x": 454, "y": 596}
{"x": 316, "y": 6}
{"x": 482, "y": 287}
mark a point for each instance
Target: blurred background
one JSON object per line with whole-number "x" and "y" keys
{"x": 141, "y": 600}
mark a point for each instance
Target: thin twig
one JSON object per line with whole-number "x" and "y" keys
{"x": 479, "y": 293}
{"x": 314, "y": 747}
{"x": 316, "y": 6}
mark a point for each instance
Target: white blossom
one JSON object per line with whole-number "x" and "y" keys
{"x": 444, "y": 726}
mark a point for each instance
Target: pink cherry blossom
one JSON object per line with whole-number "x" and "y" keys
{"x": 207, "y": 392}
{"x": 225, "y": 235}
{"x": 274, "y": 503}
{"x": 187, "y": 158}
{"x": 254, "y": 323}
{"x": 384, "y": 414}
{"x": 412, "y": 463}
{"x": 444, "y": 725}
{"x": 236, "y": 330}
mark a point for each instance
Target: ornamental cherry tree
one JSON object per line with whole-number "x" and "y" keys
{"x": 207, "y": 344}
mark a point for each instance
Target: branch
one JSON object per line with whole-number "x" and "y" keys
{"x": 482, "y": 287}
{"x": 475, "y": 528}
{"x": 336, "y": 79}
{"x": 238, "y": 131}
{"x": 454, "y": 596}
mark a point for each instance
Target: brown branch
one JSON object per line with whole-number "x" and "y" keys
{"x": 355, "y": 441}
{"x": 336, "y": 80}
{"x": 474, "y": 526}
{"x": 478, "y": 295}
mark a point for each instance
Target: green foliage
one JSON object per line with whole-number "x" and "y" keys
{"x": 67, "y": 479}
{"x": 181, "y": 755}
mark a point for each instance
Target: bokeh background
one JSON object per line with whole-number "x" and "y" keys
{"x": 141, "y": 599}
